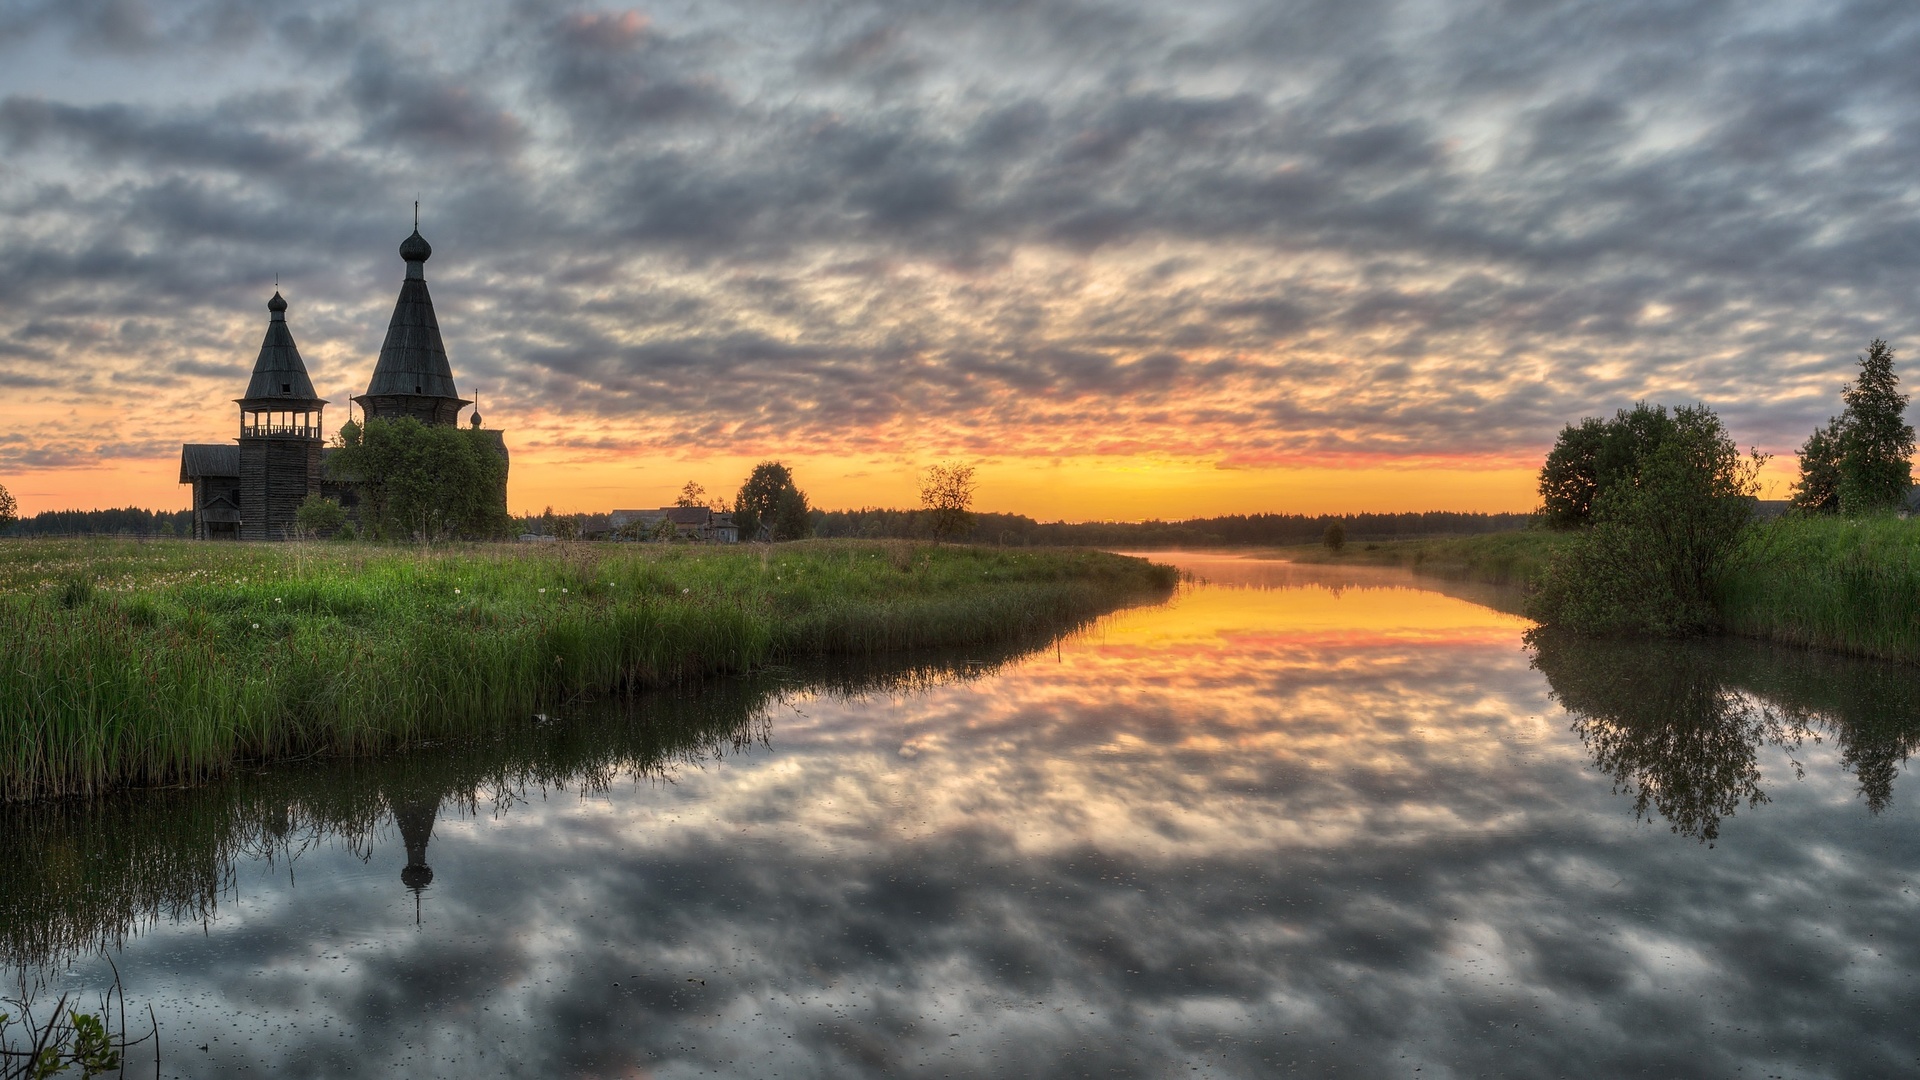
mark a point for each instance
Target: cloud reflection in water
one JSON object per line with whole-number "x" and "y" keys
{"x": 1334, "y": 829}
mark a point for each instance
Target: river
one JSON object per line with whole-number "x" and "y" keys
{"x": 1296, "y": 821}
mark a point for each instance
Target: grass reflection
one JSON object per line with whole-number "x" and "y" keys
{"x": 77, "y": 876}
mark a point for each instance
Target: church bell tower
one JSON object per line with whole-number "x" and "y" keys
{"x": 279, "y": 434}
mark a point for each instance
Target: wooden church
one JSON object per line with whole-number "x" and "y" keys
{"x": 251, "y": 488}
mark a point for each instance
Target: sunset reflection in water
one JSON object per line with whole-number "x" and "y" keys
{"x": 1294, "y": 821}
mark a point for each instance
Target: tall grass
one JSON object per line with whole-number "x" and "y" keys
{"x": 162, "y": 663}
{"x": 1847, "y": 585}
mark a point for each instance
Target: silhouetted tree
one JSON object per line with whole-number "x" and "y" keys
{"x": 1595, "y": 455}
{"x": 769, "y": 498}
{"x": 1876, "y": 443}
{"x": 946, "y": 493}
{"x": 1818, "y": 491}
{"x": 9, "y": 510}
{"x": 691, "y": 495}
{"x": 1335, "y": 537}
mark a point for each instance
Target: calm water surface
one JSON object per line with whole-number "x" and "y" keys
{"x": 1295, "y": 822}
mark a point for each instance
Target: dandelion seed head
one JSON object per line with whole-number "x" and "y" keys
{"x": 256, "y": 626}
{"x": 543, "y": 591}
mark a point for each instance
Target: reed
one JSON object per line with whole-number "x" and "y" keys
{"x": 161, "y": 663}
{"x": 1845, "y": 585}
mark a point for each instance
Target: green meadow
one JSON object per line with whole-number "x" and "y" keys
{"x": 166, "y": 662}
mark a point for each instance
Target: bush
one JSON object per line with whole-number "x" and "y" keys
{"x": 1335, "y": 537}
{"x": 1649, "y": 561}
{"x": 319, "y": 516}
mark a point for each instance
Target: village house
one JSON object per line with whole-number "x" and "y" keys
{"x": 674, "y": 522}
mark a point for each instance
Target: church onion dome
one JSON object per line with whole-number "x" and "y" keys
{"x": 415, "y": 248}
{"x": 279, "y": 375}
{"x": 413, "y": 358}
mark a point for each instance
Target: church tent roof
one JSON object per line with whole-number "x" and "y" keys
{"x": 279, "y": 375}
{"x": 413, "y": 359}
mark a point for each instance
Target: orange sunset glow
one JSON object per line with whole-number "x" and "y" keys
{"x": 1150, "y": 262}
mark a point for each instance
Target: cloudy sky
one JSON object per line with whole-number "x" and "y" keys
{"x": 1130, "y": 259}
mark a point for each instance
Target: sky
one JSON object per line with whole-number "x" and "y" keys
{"x": 1128, "y": 259}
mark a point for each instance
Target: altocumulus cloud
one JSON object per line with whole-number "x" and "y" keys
{"x": 1254, "y": 232}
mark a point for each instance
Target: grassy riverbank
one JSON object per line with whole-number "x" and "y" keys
{"x": 166, "y": 662}
{"x": 1843, "y": 585}
{"x": 1850, "y": 586}
{"x": 1509, "y": 558}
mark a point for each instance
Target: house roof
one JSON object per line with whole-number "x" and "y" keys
{"x": 199, "y": 460}
{"x": 413, "y": 359}
{"x": 279, "y": 376}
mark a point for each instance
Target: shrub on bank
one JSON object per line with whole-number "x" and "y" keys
{"x": 1659, "y": 536}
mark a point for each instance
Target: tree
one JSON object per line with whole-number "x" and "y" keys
{"x": 423, "y": 482}
{"x": 1335, "y": 537}
{"x": 693, "y": 495}
{"x": 1876, "y": 442}
{"x": 946, "y": 493}
{"x": 1818, "y": 491}
{"x": 319, "y": 516}
{"x": 9, "y": 510}
{"x": 1647, "y": 563}
{"x": 769, "y": 498}
{"x": 1594, "y": 455}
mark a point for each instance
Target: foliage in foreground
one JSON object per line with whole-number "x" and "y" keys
{"x": 68, "y": 1040}
{"x": 161, "y": 663}
{"x": 1659, "y": 536}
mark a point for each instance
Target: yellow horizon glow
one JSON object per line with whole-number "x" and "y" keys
{"x": 1102, "y": 489}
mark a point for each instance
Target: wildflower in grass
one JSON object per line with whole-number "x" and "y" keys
{"x": 543, "y": 592}
{"x": 563, "y": 592}
{"x": 256, "y": 626}
{"x": 456, "y": 592}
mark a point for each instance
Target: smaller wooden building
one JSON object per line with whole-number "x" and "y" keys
{"x": 251, "y": 489}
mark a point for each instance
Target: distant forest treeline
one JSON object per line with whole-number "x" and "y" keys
{"x": 1231, "y": 530}
{"x": 128, "y": 521}
{"x": 1013, "y": 529}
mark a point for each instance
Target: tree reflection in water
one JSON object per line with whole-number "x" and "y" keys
{"x": 1679, "y": 725}
{"x": 79, "y": 876}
